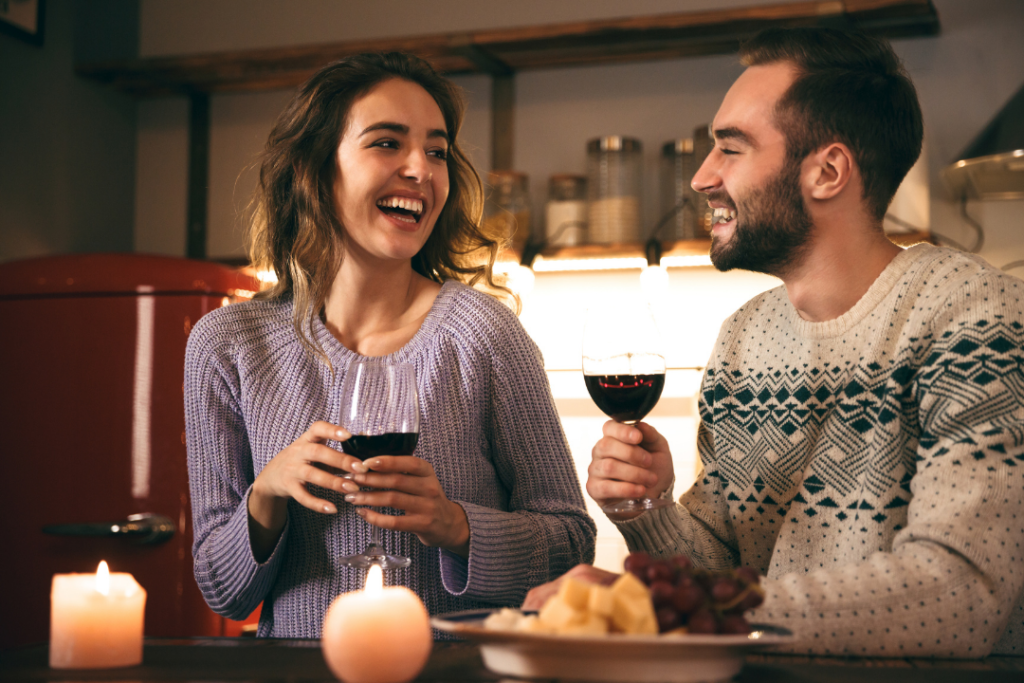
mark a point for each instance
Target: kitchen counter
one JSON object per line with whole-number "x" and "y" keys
{"x": 299, "y": 661}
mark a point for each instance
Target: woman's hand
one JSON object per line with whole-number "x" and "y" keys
{"x": 629, "y": 462}
{"x": 413, "y": 488}
{"x": 537, "y": 596}
{"x": 308, "y": 460}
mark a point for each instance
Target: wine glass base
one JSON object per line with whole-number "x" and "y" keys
{"x": 637, "y": 505}
{"x": 375, "y": 555}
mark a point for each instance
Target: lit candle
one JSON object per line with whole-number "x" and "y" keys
{"x": 96, "y": 620}
{"x": 377, "y": 635}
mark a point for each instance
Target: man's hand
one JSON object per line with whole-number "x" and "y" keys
{"x": 629, "y": 462}
{"x": 536, "y": 598}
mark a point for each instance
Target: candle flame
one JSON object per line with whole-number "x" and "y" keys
{"x": 103, "y": 578}
{"x": 374, "y": 579}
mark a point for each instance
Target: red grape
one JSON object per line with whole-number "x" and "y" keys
{"x": 724, "y": 589}
{"x": 702, "y": 621}
{"x": 735, "y": 624}
{"x": 668, "y": 619}
{"x": 681, "y": 563}
{"x": 637, "y": 564}
{"x": 660, "y": 571}
{"x": 687, "y": 599}
{"x": 752, "y": 599}
{"x": 661, "y": 593}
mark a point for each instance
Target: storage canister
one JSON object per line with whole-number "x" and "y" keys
{"x": 566, "y": 211}
{"x": 679, "y": 201}
{"x": 702, "y": 144}
{"x": 507, "y": 210}
{"x": 614, "y": 167}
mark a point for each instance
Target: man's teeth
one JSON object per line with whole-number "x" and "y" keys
{"x": 411, "y": 205}
{"x": 724, "y": 215}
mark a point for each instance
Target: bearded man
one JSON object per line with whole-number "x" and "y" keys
{"x": 862, "y": 425}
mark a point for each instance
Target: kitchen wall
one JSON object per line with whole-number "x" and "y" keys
{"x": 963, "y": 77}
{"x": 67, "y": 146}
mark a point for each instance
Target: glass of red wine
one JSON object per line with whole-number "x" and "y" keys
{"x": 624, "y": 369}
{"x": 380, "y": 409}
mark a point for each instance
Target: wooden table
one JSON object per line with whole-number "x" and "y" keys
{"x": 201, "y": 660}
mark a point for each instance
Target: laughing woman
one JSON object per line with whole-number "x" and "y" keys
{"x": 367, "y": 211}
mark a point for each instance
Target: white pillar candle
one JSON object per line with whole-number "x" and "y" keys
{"x": 96, "y": 620}
{"x": 377, "y": 635}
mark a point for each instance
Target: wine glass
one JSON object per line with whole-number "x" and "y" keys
{"x": 624, "y": 369}
{"x": 380, "y": 409}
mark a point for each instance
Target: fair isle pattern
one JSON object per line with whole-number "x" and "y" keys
{"x": 872, "y": 466}
{"x": 487, "y": 426}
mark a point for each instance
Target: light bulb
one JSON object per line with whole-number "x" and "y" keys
{"x": 654, "y": 282}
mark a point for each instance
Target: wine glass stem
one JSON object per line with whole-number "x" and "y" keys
{"x": 374, "y": 533}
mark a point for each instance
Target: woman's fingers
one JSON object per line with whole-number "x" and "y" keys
{"x": 319, "y": 432}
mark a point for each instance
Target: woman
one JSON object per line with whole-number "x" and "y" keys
{"x": 367, "y": 210}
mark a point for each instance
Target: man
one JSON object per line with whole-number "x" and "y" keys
{"x": 862, "y": 426}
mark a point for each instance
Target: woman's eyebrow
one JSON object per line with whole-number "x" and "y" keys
{"x": 403, "y": 129}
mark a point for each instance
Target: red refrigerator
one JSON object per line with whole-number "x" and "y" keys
{"x": 92, "y": 354}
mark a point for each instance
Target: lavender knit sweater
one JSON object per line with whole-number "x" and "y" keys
{"x": 487, "y": 426}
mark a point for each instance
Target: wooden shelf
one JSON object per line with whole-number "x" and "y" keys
{"x": 506, "y": 51}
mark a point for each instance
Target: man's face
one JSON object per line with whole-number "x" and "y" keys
{"x": 762, "y": 223}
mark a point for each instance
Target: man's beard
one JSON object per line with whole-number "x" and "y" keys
{"x": 773, "y": 228}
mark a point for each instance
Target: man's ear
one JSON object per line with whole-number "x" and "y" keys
{"x": 829, "y": 170}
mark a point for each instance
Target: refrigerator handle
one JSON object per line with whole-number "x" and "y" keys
{"x": 145, "y": 527}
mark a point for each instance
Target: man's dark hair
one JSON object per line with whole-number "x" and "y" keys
{"x": 850, "y": 88}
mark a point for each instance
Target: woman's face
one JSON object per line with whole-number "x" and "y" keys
{"x": 392, "y": 173}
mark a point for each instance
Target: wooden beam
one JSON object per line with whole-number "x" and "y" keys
{"x": 503, "y": 106}
{"x": 198, "y": 173}
{"x": 502, "y": 51}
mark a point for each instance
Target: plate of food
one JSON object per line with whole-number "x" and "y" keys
{"x": 635, "y": 629}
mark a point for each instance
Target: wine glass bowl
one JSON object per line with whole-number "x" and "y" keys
{"x": 624, "y": 370}
{"x": 380, "y": 409}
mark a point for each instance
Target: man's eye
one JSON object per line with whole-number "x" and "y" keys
{"x": 728, "y": 151}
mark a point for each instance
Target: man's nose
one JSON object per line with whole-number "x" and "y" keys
{"x": 706, "y": 179}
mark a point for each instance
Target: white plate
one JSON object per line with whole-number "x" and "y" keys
{"x": 680, "y": 658}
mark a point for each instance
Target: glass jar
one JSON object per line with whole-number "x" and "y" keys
{"x": 507, "y": 209}
{"x": 565, "y": 215}
{"x": 678, "y": 215}
{"x": 614, "y": 171}
{"x": 705, "y": 215}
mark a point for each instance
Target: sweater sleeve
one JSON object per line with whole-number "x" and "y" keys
{"x": 698, "y": 526}
{"x": 220, "y": 478}
{"x": 546, "y": 530}
{"x": 949, "y": 584}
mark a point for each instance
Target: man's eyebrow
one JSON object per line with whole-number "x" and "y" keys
{"x": 734, "y": 134}
{"x": 403, "y": 129}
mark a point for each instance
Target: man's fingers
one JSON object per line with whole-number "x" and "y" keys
{"x": 608, "y": 448}
{"x": 536, "y": 598}
{"x": 612, "y": 468}
{"x": 621, "y": 432}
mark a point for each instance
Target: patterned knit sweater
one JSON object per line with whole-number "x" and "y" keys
{"x": 872, "y": 466}
{"x": 487, "y": 426}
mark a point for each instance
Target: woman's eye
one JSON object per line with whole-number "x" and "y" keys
{"x": 386, "y": 143}
{"x": 441, "y": 154}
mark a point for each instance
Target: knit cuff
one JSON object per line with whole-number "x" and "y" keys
{"x": 501, "y": 557}
{"x": 235, "y": 582}
{"x": 654, "y": 531}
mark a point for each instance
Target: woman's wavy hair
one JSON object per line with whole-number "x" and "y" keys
{"x": 295, "y": 230}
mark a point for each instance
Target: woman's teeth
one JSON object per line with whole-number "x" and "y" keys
{"x": 724, "y": 215}
{"x": 403, "y": 208}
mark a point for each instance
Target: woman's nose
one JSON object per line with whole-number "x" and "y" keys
{"x": 417, "y": 167}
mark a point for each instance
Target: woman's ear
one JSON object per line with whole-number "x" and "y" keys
{"x": 829, "y": 170}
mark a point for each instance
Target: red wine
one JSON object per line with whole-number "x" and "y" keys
{"x": 393, "y": 443}
{"x": 625, "y": 398}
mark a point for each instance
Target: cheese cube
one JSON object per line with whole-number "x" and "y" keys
{"x": 575, "y": 593}
{"x": 593, "y": 625}
{"x": 601, "y": 601}
{"x": 627, "y": 584}
{"x": 557, "y": 614}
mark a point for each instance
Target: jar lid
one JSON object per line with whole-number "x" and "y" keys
{"x": 613, "y": 143}
{"x": 677, "y": 147}
{"x": 507, "y": 180}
